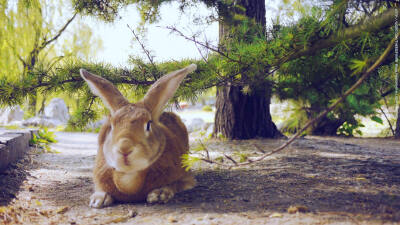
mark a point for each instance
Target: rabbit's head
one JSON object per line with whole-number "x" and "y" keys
{"x": 135, "y": 139}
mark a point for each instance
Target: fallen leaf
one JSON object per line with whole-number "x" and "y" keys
{"x": 361, "y": 179}
{"x": 38, "y": 203}
{"x": 30, "y": 188}
{"x": 44, "y": 213}
{"x": 62, "y": 210}
{"x": 297, "y": 208}
{"x": 3, "y": 209}
{"x": 172, "y": 219}
{"x": 276, "y": 215}
{"x": 118, "y": 220}
{"x": 122, "y": 218}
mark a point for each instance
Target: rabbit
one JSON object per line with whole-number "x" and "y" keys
{"x": 140, "y": 146}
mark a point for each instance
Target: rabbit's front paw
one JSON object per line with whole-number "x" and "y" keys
{"x": 100, "y": 199}
{"x": 161, "y": 195}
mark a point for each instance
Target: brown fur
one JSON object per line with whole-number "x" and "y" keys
{"x": 140, "y": 147}
{"x": 165, "y": 171}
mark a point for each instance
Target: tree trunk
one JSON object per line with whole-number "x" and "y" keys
{"x": 326, "y": 127}
{"x": 239, "y": 115}
{"x": 32, "y": 101}
{"x": 397, "y": 131}
{"x": 243, "y": 116}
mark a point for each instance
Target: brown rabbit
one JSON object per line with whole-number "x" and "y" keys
{"x": 140, "y": 146}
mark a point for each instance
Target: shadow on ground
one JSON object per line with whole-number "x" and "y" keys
{"x": 319, "y": 180}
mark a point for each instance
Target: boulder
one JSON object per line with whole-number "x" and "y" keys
{"x": 96, "y": 124}
{"x": 195, "y": 124}
{"x": 11, "y": 114}
{"x": 57, "y": 110}
{"x": 42, "y": 121}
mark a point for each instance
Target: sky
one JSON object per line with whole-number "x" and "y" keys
{"x": 118, "y": 40}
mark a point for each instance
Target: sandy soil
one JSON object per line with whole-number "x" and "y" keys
{"x": 315, "y": 181}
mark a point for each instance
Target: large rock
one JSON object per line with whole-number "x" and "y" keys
{"x": 195, "y": 124}
{"x": 42, "y": 121}
{"x": 97, "y": 124}
{"x": 57, "y": 110}
{"x": 11, "y": 114}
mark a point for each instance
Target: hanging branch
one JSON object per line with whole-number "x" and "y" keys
{"x": 205, "y": 45}
{"x": 322, "y": 114}
{"x": 47, "y": 42}
{"x": 146, "y": 52}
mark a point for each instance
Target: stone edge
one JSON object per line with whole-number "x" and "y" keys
{"x": 13, "y": 146}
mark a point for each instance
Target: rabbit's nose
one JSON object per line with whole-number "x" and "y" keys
{"x": 125, "y": 153}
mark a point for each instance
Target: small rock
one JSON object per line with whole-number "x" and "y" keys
{"x": 172, "y": 219}
{"x": 11, "y": 114}
{"x": 57, "y": 110}
{"x": 195, "y": 124}
{"x": 297, "y": 208}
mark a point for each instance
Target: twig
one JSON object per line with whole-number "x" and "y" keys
{"x": 201, "y": 54}
{"x": 206, "y": 45}
{"x": 205, "y": 148}
{"x": 45, "y": 43}
{"x": 387, "y": 119}
{"x": 259, "y": 149}
{"x": 147, "y": 52}
{"x": 231, "y": 159}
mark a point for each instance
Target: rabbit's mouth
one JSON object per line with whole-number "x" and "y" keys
{"x": 126, "y": 161}
{"x": 127, "y": 165}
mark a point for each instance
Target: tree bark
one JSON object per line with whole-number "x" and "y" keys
{"x": 326, "y": 127}
{"x": 244, "y": 116}
{"x": 239, "y": 115}
{"x": 397, "y": 131}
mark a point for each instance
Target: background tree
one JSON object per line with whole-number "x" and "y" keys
{"x": 31, "y": 40}
{"x": 243, "y": 103}
{"x": 245, "y": 59}
{"x": 317, "y": 79}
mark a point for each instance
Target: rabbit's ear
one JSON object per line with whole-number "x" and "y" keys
{"x": 109, "y": 94}
{"x": 164, "y": 89}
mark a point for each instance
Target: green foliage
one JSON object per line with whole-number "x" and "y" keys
{"x": 349, "y": 129}
{"x": 241, "y": 155}
{"x": 296, "y": 120}
{"x": 207, "y": 108}
{"x": 11, "y": 127}
{"x": 31, "y": 48}
{"x": 318, "y": 79}
{"x": 358, "y": 66}
{"x": 245, "y": 57}
{"x": 43, "y": 139}
{"x": 377, "y": 119}
{"x": 188, "y": 161}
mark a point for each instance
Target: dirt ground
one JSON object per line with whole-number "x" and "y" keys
{"x": 315, "y": 181}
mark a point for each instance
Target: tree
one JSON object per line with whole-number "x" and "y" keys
{"x": 316, "y": 80}
{"x": 243, "y": 104}
{"x": 244, "y": 114}
{"x": 28, "y": 40}
{"x": 245, "y": 64}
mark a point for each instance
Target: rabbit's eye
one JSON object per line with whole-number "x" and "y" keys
{"x": 148, "y": 125}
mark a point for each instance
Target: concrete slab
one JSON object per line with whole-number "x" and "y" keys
{"x": 13, "y": 146}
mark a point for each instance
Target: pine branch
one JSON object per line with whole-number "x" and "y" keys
{"x": 321, "y": 115}
{"x": 373, "y": 24}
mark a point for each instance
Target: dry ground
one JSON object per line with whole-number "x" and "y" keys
{"x": 329, "y": 180}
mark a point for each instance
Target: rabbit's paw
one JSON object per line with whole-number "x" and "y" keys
{"x": 160, "y": 195}
{"x": 100, "y": 199}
